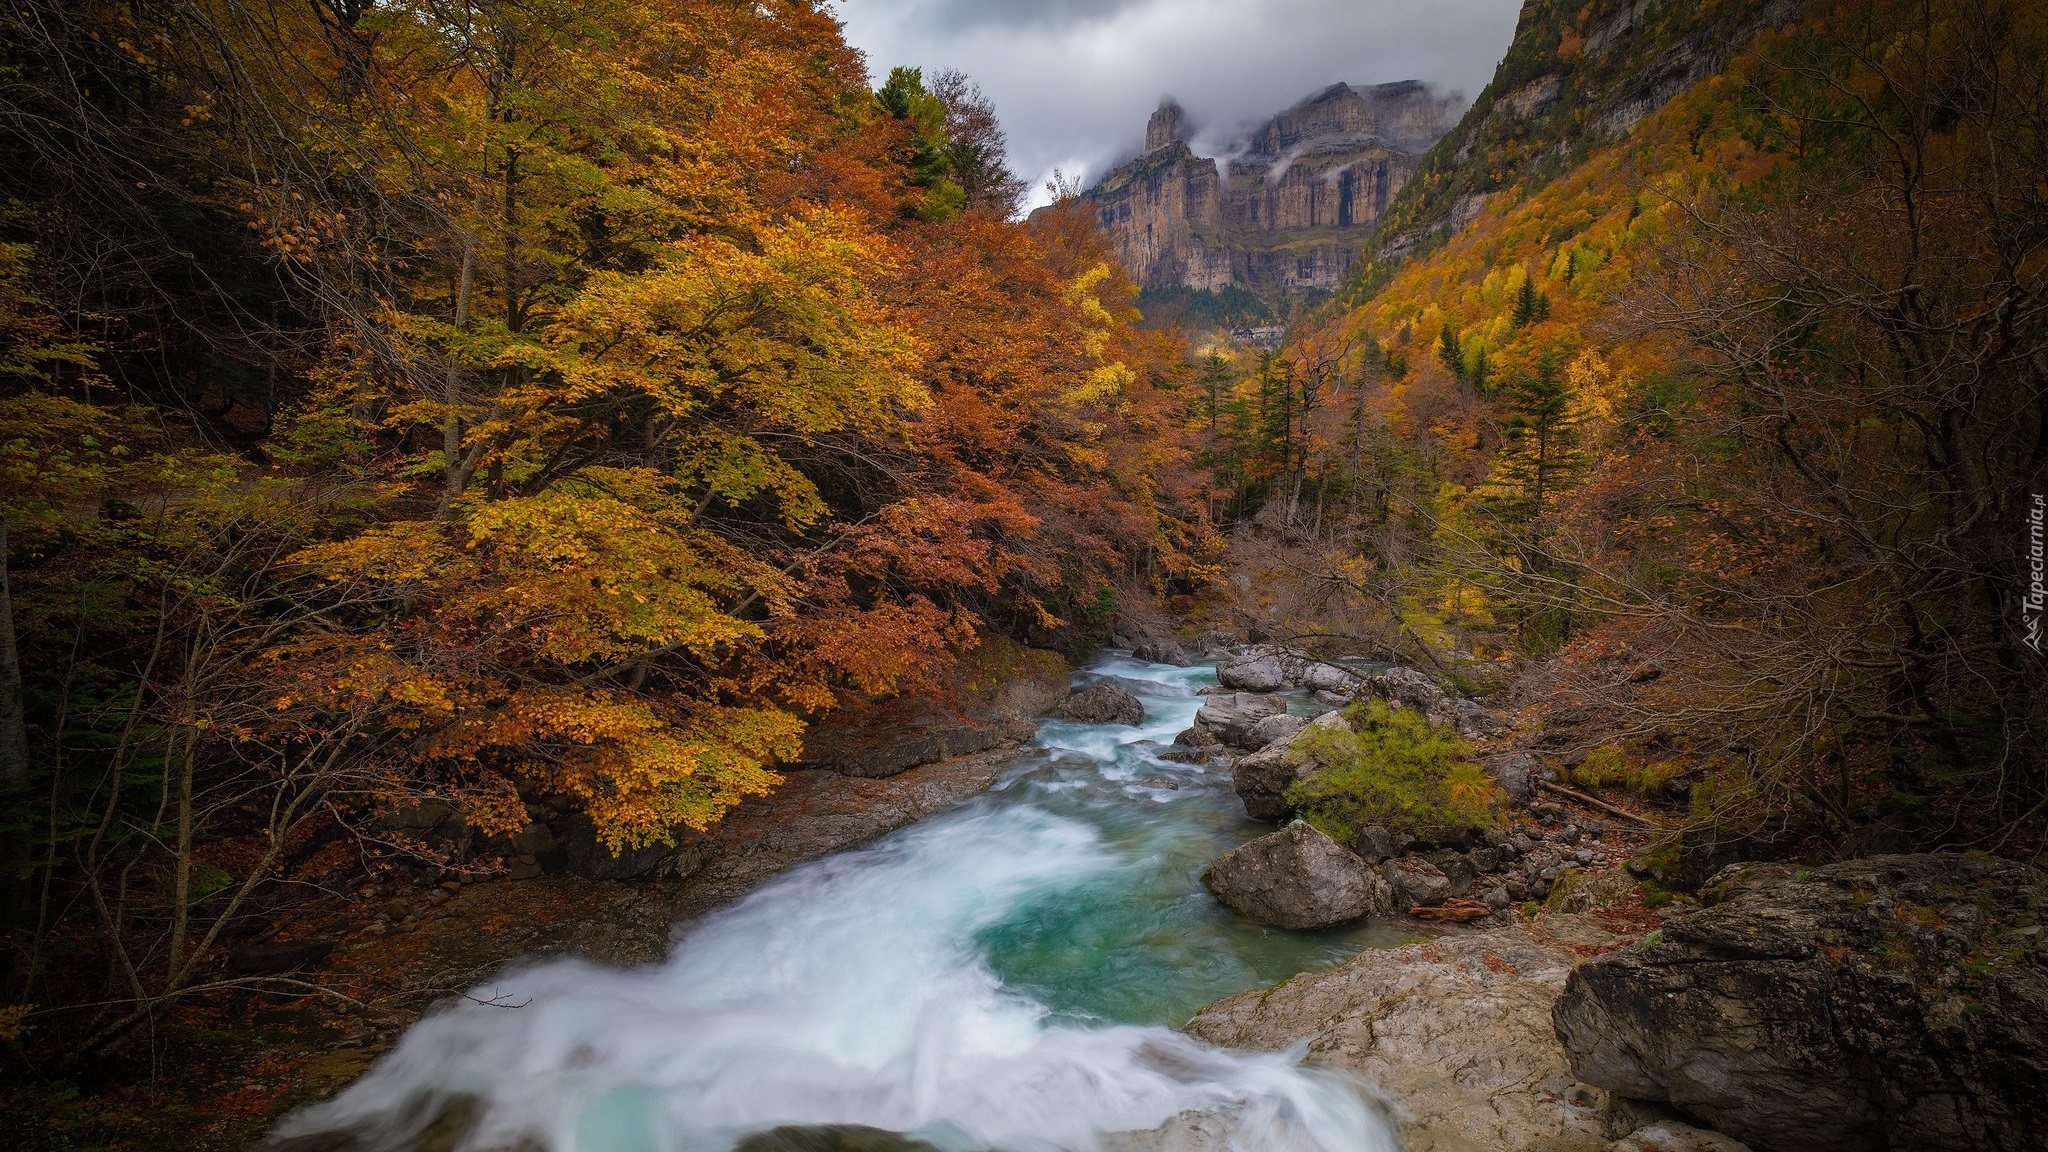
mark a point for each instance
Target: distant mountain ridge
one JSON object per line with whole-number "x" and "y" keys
{"x": 1289, "y": 206}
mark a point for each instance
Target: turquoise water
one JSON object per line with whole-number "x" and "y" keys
{"x": 1142, "y": 941}
{"x": 1001, "y": 976}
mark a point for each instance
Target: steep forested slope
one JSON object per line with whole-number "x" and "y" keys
{"x": 1710, "y": 435}
{"x": 493, "y": 402}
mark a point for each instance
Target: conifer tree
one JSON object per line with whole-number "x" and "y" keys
{"x": 1448, "y": 352}
{"x": 1541, "y": 433}
{"x": 1532, "y": 306}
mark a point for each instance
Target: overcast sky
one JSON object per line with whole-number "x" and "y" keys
{"x": 1074, "y": 80}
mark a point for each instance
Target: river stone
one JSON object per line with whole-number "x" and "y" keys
{"x": 1258, "y": 674}
{"x": 1272, "y": 730}
{"x": 1297, "y": 878}
{"x": 1103, "y": 703}
{"x": 1457, "y": 868}
{"x": 1454, "y": 1033}
{"x": 1329, "y": 678}
{"x": 1416, "y": 882}
{"x": 1231, "y": 717}
{"x": 1262, "y": 778}
{"x": 1894, "y": 1002}
{"x": 1161, "y": 652}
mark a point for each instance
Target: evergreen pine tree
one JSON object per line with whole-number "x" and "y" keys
{"x": 1541, "y": 432}
{"x": 1531, "y": 304}
{"x": 1447, "y": 351}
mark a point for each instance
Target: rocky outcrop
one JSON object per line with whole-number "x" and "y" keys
{"x": 1297, "y": 878}
{"x": 1889, "y": 1003}
{"x": 1455, "y": 1032}
{"x": 1102, "y": 703}
{"x": 1288, "y": 206}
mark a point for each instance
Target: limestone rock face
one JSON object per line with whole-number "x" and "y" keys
{"x": 1287, "y": 207}
{"x": 1297, "y": 878}
{"x": 1455, "y": 1032}
{"x": 1890, "y": 1003}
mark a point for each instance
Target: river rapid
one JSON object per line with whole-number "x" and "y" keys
{"x": 1003, "y": 976}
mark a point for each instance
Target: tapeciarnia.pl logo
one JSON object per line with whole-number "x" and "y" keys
{"x": 2037, "y": 589}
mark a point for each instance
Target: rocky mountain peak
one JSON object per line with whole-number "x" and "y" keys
{"x": 1167, "y": 127}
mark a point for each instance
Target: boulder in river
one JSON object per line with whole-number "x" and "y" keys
{"x": 1161, "y": 652}
{"x": 1277, "y": 729}
{"x": 1103, "y": 703}
{"x": 1231, "y": 718}
{"x": 830, "y": 1138}
{"x": 1893, "y": 1002}
{"x": 1260, "y": 673}
{"x": 1297, "y": 878}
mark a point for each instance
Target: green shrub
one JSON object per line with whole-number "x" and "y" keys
{"x": 1392, "y": 768}
{"x": 1610, "y": 765}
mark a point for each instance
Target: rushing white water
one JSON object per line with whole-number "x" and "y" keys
{"x": 993, "y": 978}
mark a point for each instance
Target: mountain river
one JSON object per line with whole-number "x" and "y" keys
{"x": 1003, "y": 976}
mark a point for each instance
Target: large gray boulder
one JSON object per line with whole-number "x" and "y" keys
{"x": 1890, "y": 1004}
{"x": 1277, "y": 729}
{"x": 1258, "y": 673}
{"x": 1231, "y": 718}
{"x": 1261, "y": 779}
{"x": 1297, "y": 878}
{"x": 1103, "y": 703}
{"x": 1319, "y": 677}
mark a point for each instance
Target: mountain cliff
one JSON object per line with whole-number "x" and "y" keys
{"x": 1575, "y": 78}
{"x": 1288, "y": 206}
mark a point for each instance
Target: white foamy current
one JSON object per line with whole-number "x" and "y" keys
{"x": 994, "y": 978}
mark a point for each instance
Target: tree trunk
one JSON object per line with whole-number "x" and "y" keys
{"x": 13, "y": 723}
{"x": 451, "y": 431}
